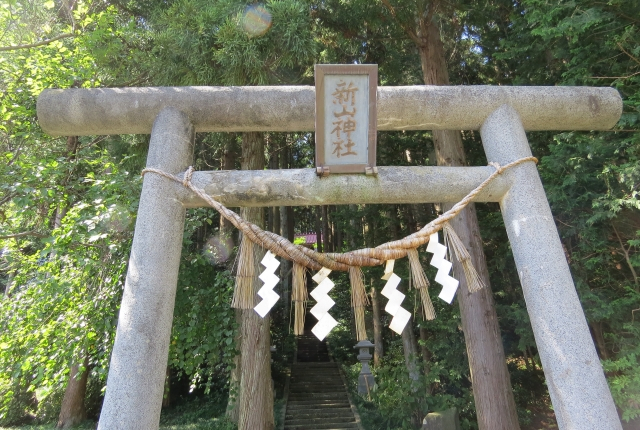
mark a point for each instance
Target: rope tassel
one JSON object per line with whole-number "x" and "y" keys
{"x": 474, "y": 282}
{"x": 299, "y": 296}
{"x": 421, "y": 283}
{"x": 359, "y": 300}
{"x": 244, "y": 292}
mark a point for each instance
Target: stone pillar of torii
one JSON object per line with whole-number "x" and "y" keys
{"x": 576, "y": 382}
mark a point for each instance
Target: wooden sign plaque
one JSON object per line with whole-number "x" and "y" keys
{"x": 346, "y": 123}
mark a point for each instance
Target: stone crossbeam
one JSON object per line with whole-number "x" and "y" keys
{"x": 77, "y": 112}
{"x": 302, "y": 187}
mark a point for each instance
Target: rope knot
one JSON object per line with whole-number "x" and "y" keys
{"x": 187, "y": 177}
{"x": 496, "y": 166}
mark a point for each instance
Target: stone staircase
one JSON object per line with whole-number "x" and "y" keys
{"x": 317, "y": 396}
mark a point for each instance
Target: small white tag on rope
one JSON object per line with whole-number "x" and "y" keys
{"x": 326, "y": 322}
{"x": 400, "y": 315}
{"x": 449, "y": 284}
{"x": 269, "y": 297}
{"x": 388, "y": 270}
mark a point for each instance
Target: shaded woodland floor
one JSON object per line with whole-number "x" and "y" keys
{"x": 199, "y": 414}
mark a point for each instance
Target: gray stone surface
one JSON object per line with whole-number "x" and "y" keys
{"x": 139, "y": 358}
{"x": 302, "y": 187}
{"x": 74, "y": 112}
{"x": 445, "y": 420}
{"x": 578, "y": 389}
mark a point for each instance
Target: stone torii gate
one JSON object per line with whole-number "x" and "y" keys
{"x": 576, "y": 382}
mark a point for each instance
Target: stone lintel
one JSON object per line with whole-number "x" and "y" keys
{"x": 302, "y": 187}
{"x": 96, "y": 111}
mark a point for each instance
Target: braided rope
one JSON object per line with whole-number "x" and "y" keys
{"x": 336, "y": 261}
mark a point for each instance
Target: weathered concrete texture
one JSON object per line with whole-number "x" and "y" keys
{"x": 302, "y": 187}
{"x": 578, "y": 389}
{"x": 73, "y": 112}
{"x": 139, "y": 358}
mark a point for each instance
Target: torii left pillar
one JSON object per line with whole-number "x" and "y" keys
{"x": 140, "y": 353}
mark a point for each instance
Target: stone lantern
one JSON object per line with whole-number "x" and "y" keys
{"x": 365, "y": 380}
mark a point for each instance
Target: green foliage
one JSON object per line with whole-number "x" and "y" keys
{"x": 204, "y": 325}
{"x": 47, "y": 321}
{"x": 206, "y": 413}
{"x": 624, "y": 378}
{"x": 203, "y": 43}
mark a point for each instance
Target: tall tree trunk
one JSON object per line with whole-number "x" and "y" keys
{"x": 410, "y": 348}
{"x": 226, "y": 232}
{"x": 337, "y": 246}
{"x": 233, "y": 410}
{"x": 166, "y": 398}
{"x": 256, "y": 395}
{"x": 495, "y": 406}
{"x": 290, "y": 224}
{"x": 7, "y": 288}
{"x": 378, "y": 349}
{"x": 228, "y": 163}
{"x": 426, "y": 353}
{"x": 598, "y": 336}
{"x": 353, "y": 227}
{"x": 284, "y": 232}
{"x": 326, "y": 239}
{"x": 395, "y": 222}
{"x": 72, "y": 411}
{"x": 318, "y": 213}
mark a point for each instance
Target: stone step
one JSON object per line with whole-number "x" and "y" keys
{"x": 313, "y": 384}
{"x": 310, "y": 391}
{"x": 316, "y": 396}
{"x": 329, "y": 413}
{"x": 327, "y": 378}
{"x": 336, "y": 426}
{"x": 311, "y": 406}
{"x": 314, "y": 389}
{"x": 314, "y": 422}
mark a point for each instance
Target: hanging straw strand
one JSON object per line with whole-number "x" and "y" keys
{"x": 474, "y": 282}
{"x": 359, "y": 300}
{"x": 421, "y": 283}
{"x": 299, "y": 296}
{"x": 244, "y": 292}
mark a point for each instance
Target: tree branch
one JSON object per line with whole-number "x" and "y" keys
{"x": 6, "y": 198}
{"x": 626, "y": 256}
{"x": 23, "y": 234}
{"x": 33, "y": 45}
{"x": 412, "y": 34}
{"x": 625, "y": 51}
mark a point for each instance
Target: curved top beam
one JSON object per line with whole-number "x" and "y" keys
{"x": 74, "y": 112}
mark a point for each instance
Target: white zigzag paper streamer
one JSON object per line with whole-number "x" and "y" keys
{"x": 449, "y": 284}
{"x": 326, "y": 322}
{"x": 269, "y": 297}
{"x": 400, "y": 315}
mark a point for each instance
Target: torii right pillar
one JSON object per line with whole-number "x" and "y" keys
{"x": 577, "y": 385}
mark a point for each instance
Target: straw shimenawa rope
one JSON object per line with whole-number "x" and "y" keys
{"x": 334, "y": 261}
{"x": 299, "y": 296}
